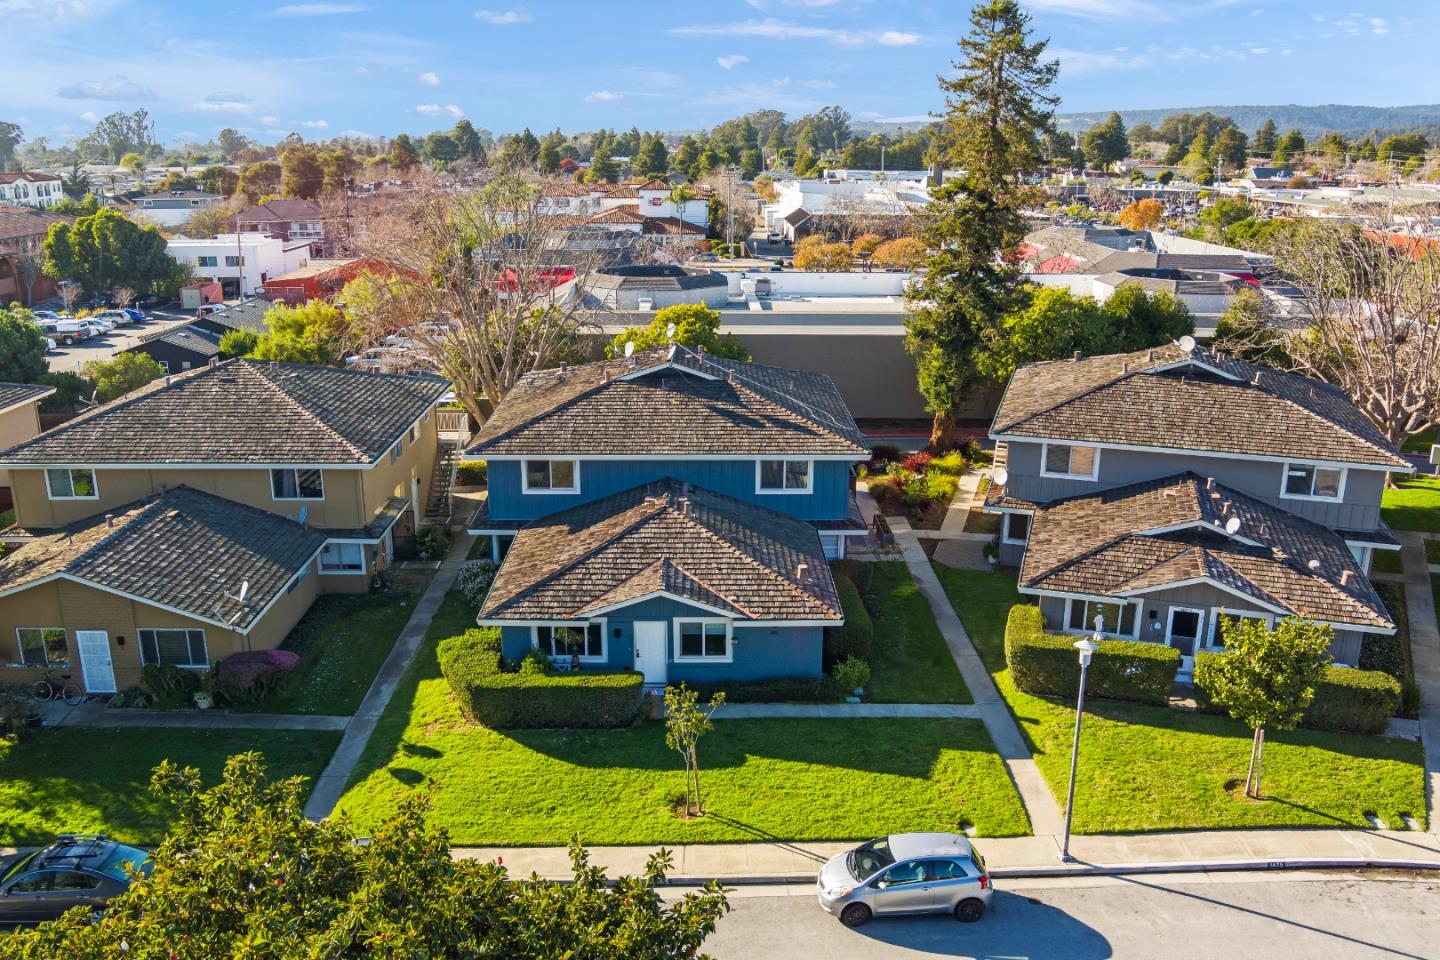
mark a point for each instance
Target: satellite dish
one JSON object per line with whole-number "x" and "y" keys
{"x": 1001, "y": 476}
{"x": 1313, "y": 564}
{"x": 670, "y": 331}
{"x": 244, "y": 592}
{"x": 1187, "y": 343}
{"x": 1232, "y": 526}
{"x": 630, "y": 348}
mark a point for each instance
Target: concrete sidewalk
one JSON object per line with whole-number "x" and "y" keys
{"x": 331, "y": 783}
{"x": 1425, "y": 656}
{"x": 848, "y": 711}
{"x": 94, "y": 714}
{"x": 1010, "y": 856}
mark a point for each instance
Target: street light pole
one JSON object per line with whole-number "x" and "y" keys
{"x": 1086, "y": 647}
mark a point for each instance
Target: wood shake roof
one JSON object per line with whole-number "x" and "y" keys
{"x": 1196, "y": 402}
{"x": 241, "y": 412}
{"x": 748, "y": 561}
{"x": 14, "y": 394}
{"x": 1166, "y": 532}
{"x": 182, "y": 549}
{"x": 671, "y": 401}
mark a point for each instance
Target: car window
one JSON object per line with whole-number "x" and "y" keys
{"x": 18, "y": 868}
{"x": 37, "y": 882}
{"x": 74, "y": 880}
{"x": 870, "y": 858}
{"x": 947, "y": 870}
{"x": 120, "y": 857}
{"x": 912, "y": 871}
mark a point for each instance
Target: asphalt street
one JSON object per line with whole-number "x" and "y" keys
{"x": 1270, "y": 916}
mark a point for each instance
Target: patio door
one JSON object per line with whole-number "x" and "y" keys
{"x": 1186, "y": 627}
{"x": 95, "y": 665}
{"x": 650, "y": 651}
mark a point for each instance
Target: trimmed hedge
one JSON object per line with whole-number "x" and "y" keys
{"x": 856, "y": 571}
{"x": 1347, "y": 700}
{"x": 776, "y": 690}
{"x": 530, "y": 698}
{"x": 854, "y": 638}
{"x": 1121, "y": 669}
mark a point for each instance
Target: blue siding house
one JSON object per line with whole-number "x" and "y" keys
{"x": 671, "y": 513}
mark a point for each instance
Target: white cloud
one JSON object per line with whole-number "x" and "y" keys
{"x": 90, "y": 116}
{"x": 1073, "y": 62}
{"x": 772, "y": 29}
{"x": 117, "y": 87}
{"x": 730, "y": 61}
{"x": 435, "y": 110}
{"x": 603, "y": 96}
{"x": 270, "y": 121}
{"x": 315, "y": 124}
{"x": 1378, "y": 26}
{"x": 897, "y": 38}
{"x": 56, "y": 11}
{"x": 357, "y": 134}
{"x": 821, "y": 84}
{"x": 429, "y": 78}
{"x": 502, "y": 18}
{"x": 317, "y": 9}
{"x": 236, "y": 104}
{"x": 1094, "y": 9}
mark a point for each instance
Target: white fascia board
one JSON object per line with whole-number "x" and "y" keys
{"x": 1197, "y": 452}
{"x": 763, "y": 455}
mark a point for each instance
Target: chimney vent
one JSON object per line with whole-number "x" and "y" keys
{"x": 801, "y": 570}
{"x": 1125, "y": 367}
{"x": 1077, "y": 356}
{"x": 109, "y": 519}
{"x": 1346, "y": 576}
{"x": 1150, "y": 355}
{"x": 1209, "y": 483}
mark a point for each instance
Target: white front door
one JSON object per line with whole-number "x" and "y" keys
{"x": 650, "y": 650}
{"x": 95, "y": 665}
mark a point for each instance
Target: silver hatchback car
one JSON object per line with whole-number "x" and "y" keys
{"x": 906, "y": 873}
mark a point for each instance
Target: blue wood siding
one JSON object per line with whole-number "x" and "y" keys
{"x": 759, "y": 652}
{"x": 828, "y": 500}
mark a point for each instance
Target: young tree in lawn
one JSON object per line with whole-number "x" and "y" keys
{"x": 1143, "y": 214}
{"x": 685, "y": 723}
{"x": 696, "y": 326}
{"x": 243, "y": 873}
{"x": 22, "y": 347}
{"x": 997, "y": 108}
{"x": 1267, "y": 678}
{"x": 122, "y": 373}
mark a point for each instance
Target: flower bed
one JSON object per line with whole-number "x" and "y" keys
{"x": 919, "y": 487}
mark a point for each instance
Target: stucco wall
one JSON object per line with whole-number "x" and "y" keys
{"x": 17, "y": 426}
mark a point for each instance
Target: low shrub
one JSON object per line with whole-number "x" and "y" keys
{"x": 854, "y": 638}
{"x": 475, "y": 579}
{"x": 473, "y": 473}
{"x": 1347, "y": 700}
{"x": 856, "y": 571}
{"x": 941, "y": 487}
{"x": 776, "y": 690}
{"x": 952, "y": 463}
{"x": 532, "y": 696}
{"x": 248, "y": 676}
{"x": 1412, "y": 698}
{"x": 432, "y": 543}
{"x": 169, "y": 683}
{"x": 1121, "y": 669}
{"x": 885, "y": 493}
{"x": 883, "y": 453}
{"x": 1388, "y": 654}
{"x": 916, "y": 463}
{"x": 852, "y": 673}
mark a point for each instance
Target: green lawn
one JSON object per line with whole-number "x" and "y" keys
{"x": 909, "y": 660}
{"x": 793, "y": 779}
{"x": 342, "y": 642}
{"x": 1387, "y": 561}
{"x": 1420, "y": 443}
{"x": 1432, "y": 551}
{"x": 480, "y": 549}
{"x": 95, "y": 779}
{"x": 1414, "y": 504}
{"x": 1154, "y": 768}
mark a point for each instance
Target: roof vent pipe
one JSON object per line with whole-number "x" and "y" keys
{"x": 1209, "y": 483}
{"x": 109, "y": 519}
{"x": 1346, "y": 576}
{"x": 1077, "y": 356}
{"x": 801, "y": 570}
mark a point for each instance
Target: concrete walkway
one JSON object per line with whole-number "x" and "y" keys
{"x": 1425, "y": 654}
{"x": 1009, "y": 856}
{"x": 848, "y": 711}
{"x": 331, "y": 783}
{"x": 1040, "y": 805}
{"x": 92, "y": 714}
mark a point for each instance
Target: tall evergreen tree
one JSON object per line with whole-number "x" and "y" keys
{"x": 1265, "y": 138}
{"x": 997, "y": 108}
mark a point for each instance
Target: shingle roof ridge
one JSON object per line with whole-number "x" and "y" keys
{"x": 253, "y": 367}
{"x": 1093, "y": 388}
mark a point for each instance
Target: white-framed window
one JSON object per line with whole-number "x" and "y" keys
{"x": 164, "y": 365}
{"x": 1120, "y": 618}
{"x": 783, "y": 476}
{"x": 561, "y": 641}
{"x": 550, "y": 476}
{"x": 1306, "y": 481}
{"x": 704, "y": 639}
{"x": 207, "y": 261}
{"x": 76, "y": 484}
{"x": 397, "y": 450}
{"x": 1215, "y": 636}
{"x": 180, "y": 648}
{"x": 1070, "y": 460}
{"x": 1017, "y": 528}
{"x": 234, "y": 261}
{"x": 287, "y": 483}
{"x": 342, "y": 558}
{"x": 43, "y": 646}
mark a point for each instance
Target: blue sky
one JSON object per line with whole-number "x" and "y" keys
{"x": 375, "y": 67}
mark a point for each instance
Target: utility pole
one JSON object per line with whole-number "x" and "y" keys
{"x": 732, "y": 174}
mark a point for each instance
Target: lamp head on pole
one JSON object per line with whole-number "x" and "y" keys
{"x": 1086, "y": 648}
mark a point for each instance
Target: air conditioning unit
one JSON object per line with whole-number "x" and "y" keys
{"x": 645, "y": 303}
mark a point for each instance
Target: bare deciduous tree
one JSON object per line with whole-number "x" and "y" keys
{"x": 27, "y": 270}
{"x": 482, "y": 282}
{"x": 1369, "y": 320}
{"x": 122, "y": 296}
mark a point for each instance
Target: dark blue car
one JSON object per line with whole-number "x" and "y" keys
{"x": 77, "y": 870}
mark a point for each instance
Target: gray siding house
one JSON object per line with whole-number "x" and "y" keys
{"x": 1164, "y": 489}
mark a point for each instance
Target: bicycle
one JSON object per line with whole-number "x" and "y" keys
{"x": 49, "y": 688}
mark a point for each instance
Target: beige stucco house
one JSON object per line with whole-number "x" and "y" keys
{"x": 19, "y": 421}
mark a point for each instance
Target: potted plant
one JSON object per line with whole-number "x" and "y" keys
{"x": 205, "y": 696}
{"x": 992, "y": 553}
{"x": 851, "y": 674}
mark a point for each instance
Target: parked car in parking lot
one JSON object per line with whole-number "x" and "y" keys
{"x": 906, "y": 873}
{"x": 136, "y": 316}
{"x": 41, "y": 316}
{"x": 149, "y": 301}
{"x": 70, "y": 331}
{"x": 49, "y": 344}
{"x": 116, "y": 318}
{"x": 77, "y": 870}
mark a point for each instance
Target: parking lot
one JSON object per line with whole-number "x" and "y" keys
{"x": 106, "y": 346}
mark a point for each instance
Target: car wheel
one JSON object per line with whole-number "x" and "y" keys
{"x": 69, "y": 341}
{"x": 968, "y": 911}
{"x": 855, "y": 915}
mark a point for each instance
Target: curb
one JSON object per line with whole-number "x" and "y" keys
{"x": 1111, "y": 870}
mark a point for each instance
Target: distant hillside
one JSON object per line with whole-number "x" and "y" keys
{"x": 1310, "y": 120}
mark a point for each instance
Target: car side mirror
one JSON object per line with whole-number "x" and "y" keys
{"x": 881, "y": 884}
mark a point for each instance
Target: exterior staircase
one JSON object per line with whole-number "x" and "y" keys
{"x": 441, "y": 506}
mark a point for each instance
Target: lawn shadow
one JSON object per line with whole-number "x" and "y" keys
{"x": 1015, "y": 926}
{"x": 416, "y": 750}
{"x": 767, "y": 837}
{"x": 407, "y": 776}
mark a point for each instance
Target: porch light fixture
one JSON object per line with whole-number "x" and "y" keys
{"x": 1086, "y": 647}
